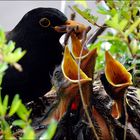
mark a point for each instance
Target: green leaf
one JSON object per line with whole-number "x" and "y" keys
{"x": 83, "y": 3}
{"x": 102, "y": 10}
{"x": 3, "y": 67}
{"x": 135, "y": 11}
{"x": 122, "y": 24}
{"x": 132, "y": 27}
{"x": 114, "y": 22}
{"x": 48, "y": 135}
{"x": 23, "y": 113}
{"x": 113, "y": 12}
{"x": 15, "y": 105}
{"x": 119, "y": 49}
{"x": 5, "y": 104}
{"x": 9, "y": 47}
{"x": 19, "y": 123}
{"x": 14, "y": 56}
{"x": 86, "y": 14}
{"x": 2, "y": 38}
{"x": 29, "y": 134}
{"x": 110, "y": 3}
{"x": 126, "y": 13}
{"x": 1, "y": 107}
{"x": 5, "y": 125}
{"x": 7, "y": 134}
{"x": 1, "y": 77}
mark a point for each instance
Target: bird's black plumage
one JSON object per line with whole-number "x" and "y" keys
{"x": 38, "y": 37}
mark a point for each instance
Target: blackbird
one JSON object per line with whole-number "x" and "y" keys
{"x": 36, "y": 34}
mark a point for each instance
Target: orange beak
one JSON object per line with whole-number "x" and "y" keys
{"x": 77, "y": 47}
{"x": 88, "y": 58}
{"x": 119, "y": 79}
{"x": 70, "y": 24}
{"x": 88, "y": 63}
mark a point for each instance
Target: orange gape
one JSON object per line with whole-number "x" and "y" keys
{"x": 116, "y": 73}
{"x": 119, "y": 79}
{"x": 77, "y": 47}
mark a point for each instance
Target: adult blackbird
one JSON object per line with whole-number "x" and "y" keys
{"x": 36, "y": 34}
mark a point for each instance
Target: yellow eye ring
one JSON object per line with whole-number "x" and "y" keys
{"x": 44, "y": 22}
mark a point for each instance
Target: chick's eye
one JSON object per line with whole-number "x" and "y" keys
{"x": 44, "y": 22}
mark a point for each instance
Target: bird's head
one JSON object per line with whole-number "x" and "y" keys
{"x": 45, "y": 22}
{"x": 41, "y": 21}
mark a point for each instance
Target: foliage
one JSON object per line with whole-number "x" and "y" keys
{"x": 122, "y": 22}
{"x": 83, "y": 2}
{"x": 18, "y": 108}
{"x": 86, "y": 13}
{"x": 8, "y": 54}
{"x": 50, "y": 131}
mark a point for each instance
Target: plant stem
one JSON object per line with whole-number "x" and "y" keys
{"x": 82, "y": 99}
{"x": 94, "y": 37}
{"x": 126, "y": 116}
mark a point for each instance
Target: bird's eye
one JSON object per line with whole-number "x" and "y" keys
{"x": 44, "y": 22}
{"x": 57, "y": 75}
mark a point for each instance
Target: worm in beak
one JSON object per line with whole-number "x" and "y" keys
{"x": 70, "y": 24}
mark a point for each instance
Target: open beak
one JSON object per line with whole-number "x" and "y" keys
{"x": 70, "y": 24}
{"x": 70, "y": 87}
{"x": 70, "y": 69}
{"x": 88, "y": 58}
{"x": 116, "y": 73}
{"x": 119, "y": 79}
{"x": 77, "y": 47}
{"x": 88, "y": 63}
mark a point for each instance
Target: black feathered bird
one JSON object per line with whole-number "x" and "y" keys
{"x": 35, "y": 33}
